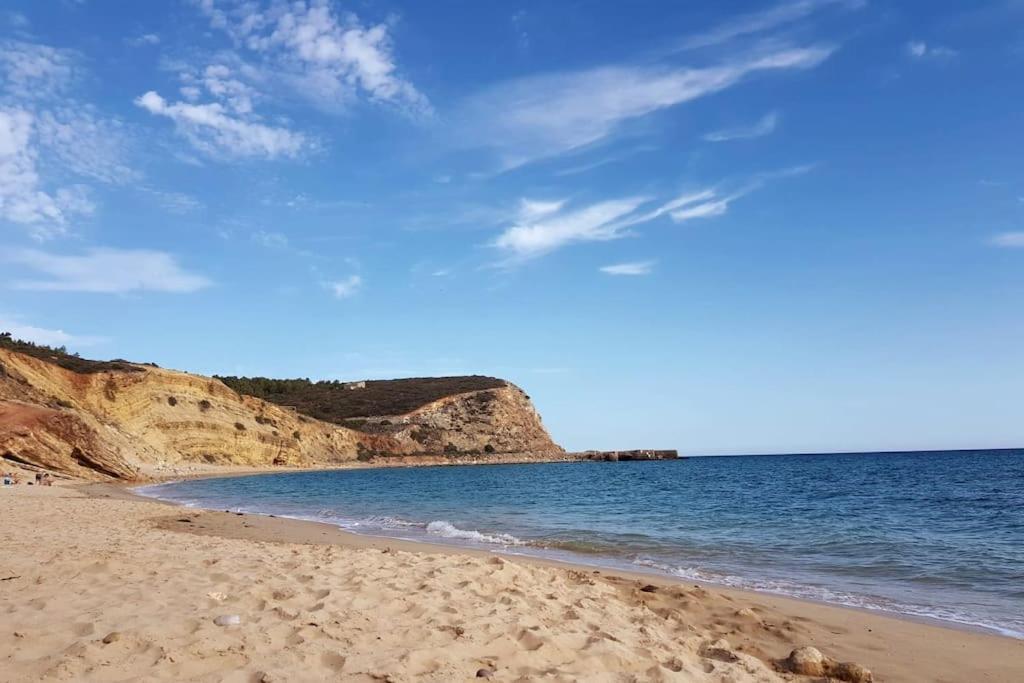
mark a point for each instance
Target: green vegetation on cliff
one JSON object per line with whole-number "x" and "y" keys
{"x": 60, "y": 357}
{"x": 345, "y": 403}
{"x": 338, "y": 402}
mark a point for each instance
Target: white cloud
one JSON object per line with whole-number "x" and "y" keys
{"x": 223, "y": 83}
{"x": 632, "y": 268}
{"x": 1008, "y": 240}
{"x": 45, "y": 134}
{"x": 605, "y": 160}
{"x": 542, "y": 116}
{"x": 543, "y": 227}
{"x": 106, "y": 270}
{"x": 144, "y": 39}
{"x": 689, "y": 199}
{"x": 85, "y": 143}
{"x": 42, "y": 335}
{"x": 218, "y": 133}
{"x": 918, "y": 49}
{"x": 532, "y": 209}
{"x": 31, "y": 71}
{"x": 346, "y": 288}
{"x": 764, "y": 126}
{"x": 765, "y": 20}
{"x": 22, "y": 198}
{"x": 709, "y": 203}
{"x": 705, "y": 209}
{"x": 329, "y": 58}
{"x": 533, "y": 235}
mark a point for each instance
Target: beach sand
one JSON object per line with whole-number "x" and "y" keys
{"x": 98, "y": 585}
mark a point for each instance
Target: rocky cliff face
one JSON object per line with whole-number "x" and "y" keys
{"x": 112, "y": 423}
{"x": 500, "y": 420}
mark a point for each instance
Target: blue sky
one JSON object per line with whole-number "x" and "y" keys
{"x": 752, "y": 228}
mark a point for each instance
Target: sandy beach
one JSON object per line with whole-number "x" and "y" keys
{"x": 96, "y": 584}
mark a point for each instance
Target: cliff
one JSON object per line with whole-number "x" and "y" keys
{"x": 117, "y": 419}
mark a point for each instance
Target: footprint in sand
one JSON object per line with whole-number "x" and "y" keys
{"x": 83, "y": 629}
{"x": 530, "y": 640}
{"x": 333, "y": 660}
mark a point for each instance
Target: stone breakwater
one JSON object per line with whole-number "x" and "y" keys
{"x": 617, "y": 456}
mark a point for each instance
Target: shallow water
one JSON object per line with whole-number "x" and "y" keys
{"x": 938, "y": 535}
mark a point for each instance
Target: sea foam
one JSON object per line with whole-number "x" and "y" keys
{"x": 449, "y": 530}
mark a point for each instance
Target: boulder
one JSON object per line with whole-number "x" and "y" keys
{"x": 808, "y": 661}
{"x": 850, "y": 672}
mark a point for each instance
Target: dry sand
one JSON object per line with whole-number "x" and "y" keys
{"x": 98, "y": 585}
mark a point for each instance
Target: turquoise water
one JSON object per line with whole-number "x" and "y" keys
{"x": 937, "y": 535}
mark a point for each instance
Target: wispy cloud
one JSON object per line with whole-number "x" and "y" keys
{"x": 105, "y": 270}
{"x": 270, "y": 240}
{"x": 631, "y": 268}
{"x": 87, "y": 143}
{"x": 15, "y": 20}
{"x": 31, "y": 71}
{"x": 541, "y": 227}
{"x": 532, "y": 209}
{"x": 305, "y": 201}
{"x": 42, "y": 126}
{"x": 763, "y": 21}
{"x": 175, "y": 202}
{"x": 346, "y": 288}
{"x": 306, "y": 49}
{"x": 1009, "y": 240}
{"x": 605, "y": 160}
{"x": 214, "y": 130}
{"x": 328, "y": 57}
{"x": 533, "y": 235}
{"x": 543, "y": 116}
{"x": 143, "y": 40}
{"x": 23, "y": 198}
{"x": 766, "y": 125}
{"x": 716, "y": 206}
{"x": 918, "y": 49}
{"x": 42, "y": 335}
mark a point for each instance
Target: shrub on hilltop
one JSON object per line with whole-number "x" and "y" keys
{"x": 338, "y": 402}
{"x": 58, "y": 355}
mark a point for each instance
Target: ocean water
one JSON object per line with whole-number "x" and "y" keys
{"x": 938, "y": 535}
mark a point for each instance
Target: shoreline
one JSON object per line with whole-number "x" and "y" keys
{"x": 165, "y": 474}
{"x": 341, "y": 536}
{"x": 574, "y": 561}
{"x": 93, "y": 563}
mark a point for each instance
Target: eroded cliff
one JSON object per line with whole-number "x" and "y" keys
{"x": 126, "y": 418}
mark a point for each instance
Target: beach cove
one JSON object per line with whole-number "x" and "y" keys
{"x": 120, "y": 588}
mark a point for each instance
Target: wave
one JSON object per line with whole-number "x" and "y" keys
{"x": 449, "y": 530}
